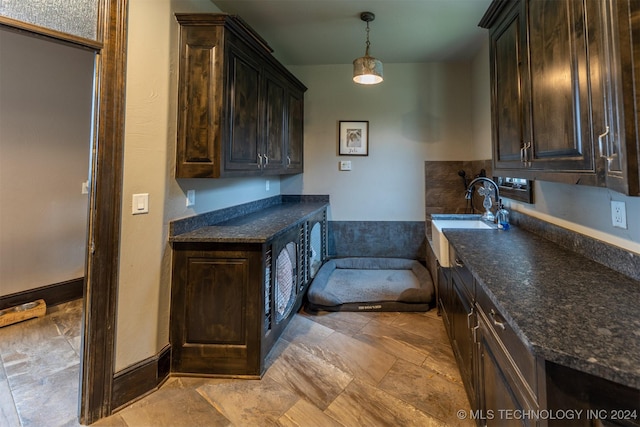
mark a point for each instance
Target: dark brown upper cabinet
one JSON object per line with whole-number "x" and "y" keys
{"x": 564, "y": 103}
{"x": 236, "y": 116}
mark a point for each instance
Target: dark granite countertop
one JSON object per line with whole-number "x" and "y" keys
{"x": 257, "y": 227}
{"x": 568, "y": 309}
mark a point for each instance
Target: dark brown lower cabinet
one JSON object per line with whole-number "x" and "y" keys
{"x": 507, "y": 384}
{"x": 231, "y": 301}
{"x": 216, "y": 309}
{"x": 502, "y": 393}
{"x": 461, "y": 314}
{"x": 501, "y": 376}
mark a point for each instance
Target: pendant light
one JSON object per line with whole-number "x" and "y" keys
{"x": 367, "y": 70}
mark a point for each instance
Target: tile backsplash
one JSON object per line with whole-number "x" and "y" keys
{"x": 444, "y": 187}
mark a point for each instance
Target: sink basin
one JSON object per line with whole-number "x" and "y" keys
{"x": 441, "y": 244}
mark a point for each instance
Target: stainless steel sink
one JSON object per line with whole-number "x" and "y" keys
{"x": 440, "y": 242}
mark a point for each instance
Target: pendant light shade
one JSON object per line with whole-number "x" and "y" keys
{"x": 367, "y": 70}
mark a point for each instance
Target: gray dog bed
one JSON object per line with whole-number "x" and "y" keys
{"x": 371, "y": 284}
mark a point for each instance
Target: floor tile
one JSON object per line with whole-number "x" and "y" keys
{"x": 308, "y": 376}
{"x": 327, "y": 369}
{"x": 112, "y": 421}
{"x": 8, "y": 413}
{"x": 26, "y": 362}
{"x": 396, "y": 341}
{"x": 421, "y": 324}
{"x": 173, "y": 405}
{"x": 428, "y": 391}
{"x": 52, "y": 401}
{"x": 305, "y": 329}
{"x": 304, "y": 414}
{"x": 250, "y": 402}
{"x": 364, "y": 405}
{"x": 356, "y": 358}
{"x": 348, "y": 323}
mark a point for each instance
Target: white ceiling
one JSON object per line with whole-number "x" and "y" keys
{"x": 315, "y": 32}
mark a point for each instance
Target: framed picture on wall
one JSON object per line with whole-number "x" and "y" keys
{"x": 353, "y": 139}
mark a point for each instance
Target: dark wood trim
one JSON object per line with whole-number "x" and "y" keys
{"x": 494, "y": 9}
{"x": 100, "y": 299}
{"x": 54, "y": 294}
{"x": 103, "y": 240}
{"x": 50, "y": 34}
{"x": 138, "y": 380}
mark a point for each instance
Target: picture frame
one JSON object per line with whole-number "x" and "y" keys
{"x": 353, "y": 138}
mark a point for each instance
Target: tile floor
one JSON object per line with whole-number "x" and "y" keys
{"x": 332, "y": 369}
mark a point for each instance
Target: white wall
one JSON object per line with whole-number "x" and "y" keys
{"x": 45, "y": 138}
{"x": 150, "y": 138}
{"x": 420, "y": 112}
{"x": 583, "y": 209}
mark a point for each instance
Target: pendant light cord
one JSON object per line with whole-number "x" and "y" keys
{"x": 366, "y": 52}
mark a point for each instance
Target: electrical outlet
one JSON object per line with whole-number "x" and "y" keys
{"x": 618, "y": 214}
{"x": 191, "y": 198}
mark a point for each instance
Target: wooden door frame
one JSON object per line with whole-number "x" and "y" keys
{"x": 104, "y": 212}
{"x": 103, "y": 244}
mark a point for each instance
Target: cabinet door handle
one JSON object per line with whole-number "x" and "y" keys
{"x": 527, "y": 146}
{"x": 495, "y": 322}
{"x": 288, "y": 161}
{"x": 259, "y": 161}
{"x": 266, "y": 160}
{"x": 473, "y": 331}
{"x": 469, "y": 319}
{"x": 458, "y": 262}
{"x": 522, "y": 154}
{"x": 605, "y": 147}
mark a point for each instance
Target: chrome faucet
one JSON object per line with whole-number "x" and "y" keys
{"x": 485, "y": 191}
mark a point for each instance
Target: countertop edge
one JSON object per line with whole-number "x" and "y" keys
{"x": 574, "y": 361}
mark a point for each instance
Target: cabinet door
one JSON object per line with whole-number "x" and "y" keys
{"x": 295, "y": 118}
{"x": 497, "y": 396}
{"x": 506, "y": 80}
{"x": 199, "y": 103}
{"x": 273, "y": 152}
{"x": 619, "y": 68}
{"x": 444, "y": 297}
{"x": 215, "y": 312}
{"x": 243, "y": 110}
{"x": 462, "y": 319}
{"x": 559, "y": 86}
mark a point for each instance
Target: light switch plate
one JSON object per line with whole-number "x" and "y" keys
{"x": 140, "y": 204}
{"x": 345, "y": 165}
{"x": 618, "y": 214}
